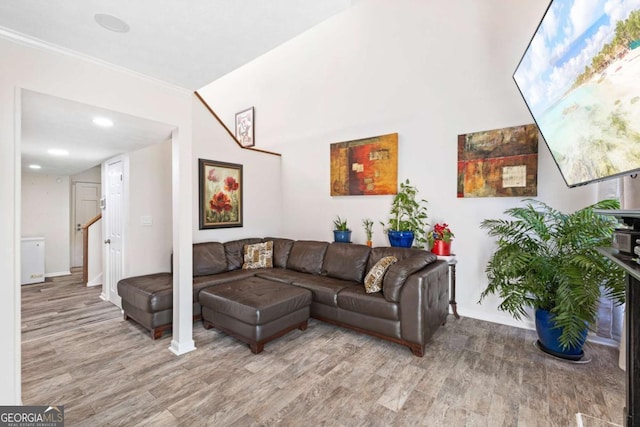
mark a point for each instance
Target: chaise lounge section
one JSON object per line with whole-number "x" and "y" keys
{"x": 408, "y": 310}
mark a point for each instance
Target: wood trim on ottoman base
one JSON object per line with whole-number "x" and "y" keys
{"x": 256, "y": 346}
{"x": 416, "y": 349}
{"x": 158, "y": 331}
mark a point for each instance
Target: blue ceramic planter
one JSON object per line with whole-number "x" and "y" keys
{"x": 342, "y": 236}
{"x": 402, "y": 239}
{"x": 549, "y": 335}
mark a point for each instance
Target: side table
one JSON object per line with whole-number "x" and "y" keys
{"x": 451, "y": 262}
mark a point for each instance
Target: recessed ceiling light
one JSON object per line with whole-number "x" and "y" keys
{"x": 111, "y": 23}
{"x": 103, "y": 121}
{"x": 57, "y": 152}
{"x": 35, "y": 167}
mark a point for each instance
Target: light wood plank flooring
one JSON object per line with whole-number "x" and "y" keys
{"x": 77, "y": 351}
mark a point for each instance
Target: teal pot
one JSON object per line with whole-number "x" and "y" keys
{"x": 342, "y": 236}
{"x": 402, "y": 239}
{"x": 549, "y": 337}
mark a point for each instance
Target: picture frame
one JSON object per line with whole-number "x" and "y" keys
{"x": 245, "y": 127}
{"x": 364, "y": 167}
{"x": 499, "y": 162}
{"x": 220, "y": 194}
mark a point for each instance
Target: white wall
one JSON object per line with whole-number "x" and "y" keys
{"x": 45, "y": 212}
{"x": 427, "y": 70}
{"x": 93, "y": 175}
{"x": 95, "y": 247}
{"x": 150, "y": 199}
{"x": 262, "y": 212}
{"x": 58, "y": 74}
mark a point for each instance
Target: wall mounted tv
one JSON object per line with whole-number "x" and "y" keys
{"x": 580, "y": 79}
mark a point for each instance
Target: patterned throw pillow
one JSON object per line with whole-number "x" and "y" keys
{"x": 373, "y": 279}
{"x": 259, "y": 255}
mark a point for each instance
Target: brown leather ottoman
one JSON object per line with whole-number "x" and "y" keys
{"x": 255, "y": 310}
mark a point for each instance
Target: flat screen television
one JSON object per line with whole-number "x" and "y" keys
{"x": 580, "y": 79}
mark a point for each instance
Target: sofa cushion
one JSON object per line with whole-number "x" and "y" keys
{"x": 401, "y": 253}
{"x": 234, "y": 251}
{"x": 397, "y": 274}
{"x": 208, "y": 258}
{"x": 324, "y": 289}
{"x": 258, "y": 255}
{"x": 373, "y": 279}
{"x": 345, "y": 261}
{"x": 281, "y": 250}
{"x": 355, "y": 298}
{"x": 281, "y": 275}
{"x": 306, "y": 256}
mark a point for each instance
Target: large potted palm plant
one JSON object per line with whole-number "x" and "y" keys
{"x": 547, "y": 260}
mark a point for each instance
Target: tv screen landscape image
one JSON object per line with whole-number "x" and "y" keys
{"x": 580, "y": 79}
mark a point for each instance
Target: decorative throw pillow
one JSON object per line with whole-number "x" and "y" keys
{"x": 259, "y": 255}
{"x": 373, "y": 279}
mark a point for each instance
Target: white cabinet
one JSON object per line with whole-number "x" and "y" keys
{"x": 32, "y": 260}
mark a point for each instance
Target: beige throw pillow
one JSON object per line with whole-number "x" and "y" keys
{"x": 373, "y": 279}
{"x": 259, "y": 255}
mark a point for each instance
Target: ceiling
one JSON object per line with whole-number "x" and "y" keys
{"x": 49, "y": 122}
{"x": 187, "y": 44}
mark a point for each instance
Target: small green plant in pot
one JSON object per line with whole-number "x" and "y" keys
{"x": 341, "y": 231}
{"x": 368, "y": 230}
{"x": 547, "y": 260}
{"x": 408, "y": 218}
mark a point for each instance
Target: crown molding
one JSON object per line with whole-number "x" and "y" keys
{"x": 26, "y": 40}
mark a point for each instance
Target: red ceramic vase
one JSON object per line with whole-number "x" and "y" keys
{"x": 440, "y": 247}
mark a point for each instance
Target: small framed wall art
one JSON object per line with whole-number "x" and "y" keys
{"x": 245, "y": 128}
{"x": 220, "y": 187}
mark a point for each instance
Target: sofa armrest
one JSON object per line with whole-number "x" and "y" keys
{"x": 398, "y": 273}
{"x": 424, "y": 302}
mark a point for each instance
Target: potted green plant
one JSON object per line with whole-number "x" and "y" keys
{"x": 408, "y": 218}
{"x": 440, "y": 239}
{"x": 547, "y": 260}
{"x": 341, "y": 232}
{"x": 368, "y": 230}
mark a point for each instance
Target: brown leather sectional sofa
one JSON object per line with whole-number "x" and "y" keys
{"x": 411, "y": 306}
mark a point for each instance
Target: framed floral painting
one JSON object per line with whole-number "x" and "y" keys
{"x": 220, "y": 194}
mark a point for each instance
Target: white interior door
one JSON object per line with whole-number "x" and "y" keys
{"x": 86, "y": 206}
{"x": 114, "y": 227}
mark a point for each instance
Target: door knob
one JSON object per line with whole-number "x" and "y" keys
{"x": 108, "y": 241}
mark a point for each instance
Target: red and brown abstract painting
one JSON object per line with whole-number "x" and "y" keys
{"x": 499, "y": 163}
{"x": 365, "y": 166}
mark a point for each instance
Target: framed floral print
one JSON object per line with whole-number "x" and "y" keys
{"x": 220, "y": 186}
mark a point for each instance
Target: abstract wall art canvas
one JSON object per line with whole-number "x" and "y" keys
{"x": 365, "y": 166}
{"x": 499, "y": 163}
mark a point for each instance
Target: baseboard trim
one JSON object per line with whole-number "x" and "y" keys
{"x": 96, "y": 281}
{"x": 58, "y": 273}
{"x": 526, "y": 323}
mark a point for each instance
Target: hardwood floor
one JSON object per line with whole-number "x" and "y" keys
{"x": 77, "y": 351}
